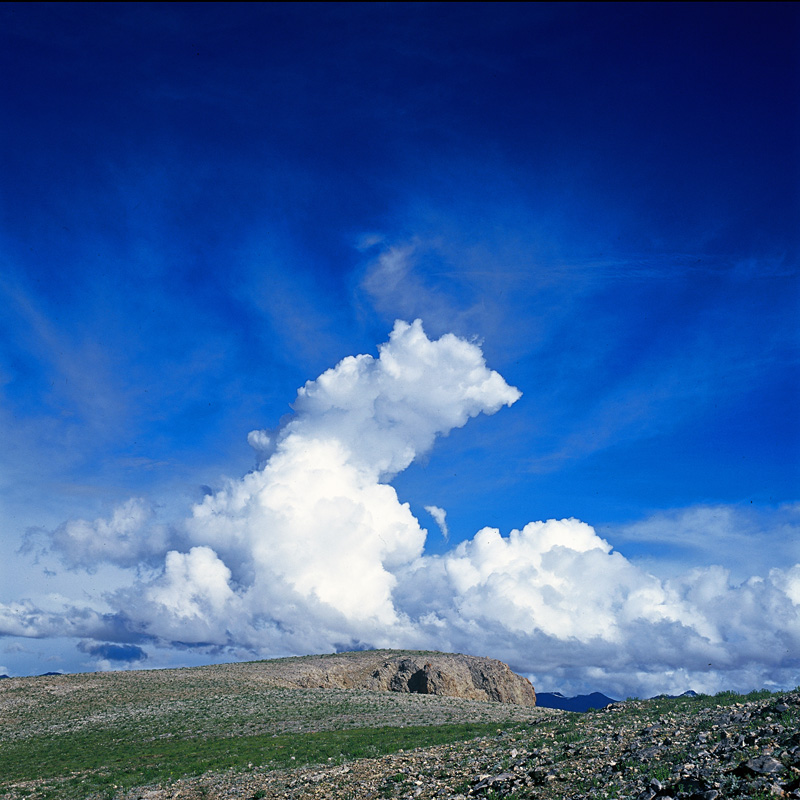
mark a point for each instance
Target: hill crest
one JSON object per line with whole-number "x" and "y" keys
{"x": 411, "y": 671}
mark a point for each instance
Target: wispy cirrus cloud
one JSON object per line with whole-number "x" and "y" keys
{"x": 440, "y": 517}
{"x": 742, "y": 538}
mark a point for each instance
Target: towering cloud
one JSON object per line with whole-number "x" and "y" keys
{"x": 314, "y": 551}
{"x": 312, "y": 540}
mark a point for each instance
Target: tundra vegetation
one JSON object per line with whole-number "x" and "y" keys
{"x": 242, "y": 730}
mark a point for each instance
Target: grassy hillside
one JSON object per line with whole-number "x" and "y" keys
{"x": 235, "y": 731}
{"x": 70, "y": 736}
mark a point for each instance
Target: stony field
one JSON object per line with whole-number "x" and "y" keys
{"x": 229, "y": 700}
{"x": 235, "y": 731}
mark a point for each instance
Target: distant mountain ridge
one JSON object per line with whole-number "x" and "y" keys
{"x": 580, "y": 703}
{"x": 584, "y": 702}
{"x": 42, "y": 675}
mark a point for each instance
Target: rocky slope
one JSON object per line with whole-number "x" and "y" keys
{"x": 692, "y": 749}
{"x": 445, "y": 674}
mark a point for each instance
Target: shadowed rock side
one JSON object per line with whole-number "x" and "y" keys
{"x": 447, "y": 674}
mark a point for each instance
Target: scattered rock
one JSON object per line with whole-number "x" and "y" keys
{"x": 576, "y": 757}
{"x": 701, "y": 748}
{"x": 761, "y": 765}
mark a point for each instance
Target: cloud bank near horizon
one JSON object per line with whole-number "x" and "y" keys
{"x": 313, "y": 551}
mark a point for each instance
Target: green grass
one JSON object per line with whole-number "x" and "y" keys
{"x": 92, "y": 762}
{"x": 99, "y": 734}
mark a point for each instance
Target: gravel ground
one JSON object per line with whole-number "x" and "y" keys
{"x": 704, "y": 748}
{"x": 639, "y": 749}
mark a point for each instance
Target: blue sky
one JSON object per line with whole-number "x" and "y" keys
{"x": 203, "y": 207}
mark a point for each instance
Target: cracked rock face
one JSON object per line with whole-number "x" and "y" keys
{"x": 444, "y": 674}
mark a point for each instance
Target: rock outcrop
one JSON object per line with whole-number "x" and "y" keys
{"x": 447, "y": 674}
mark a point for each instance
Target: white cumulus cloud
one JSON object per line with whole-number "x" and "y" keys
{"x": 130, "y": 537}
{"x": 309, "y": 543}
{"x": 314, "y": 551}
